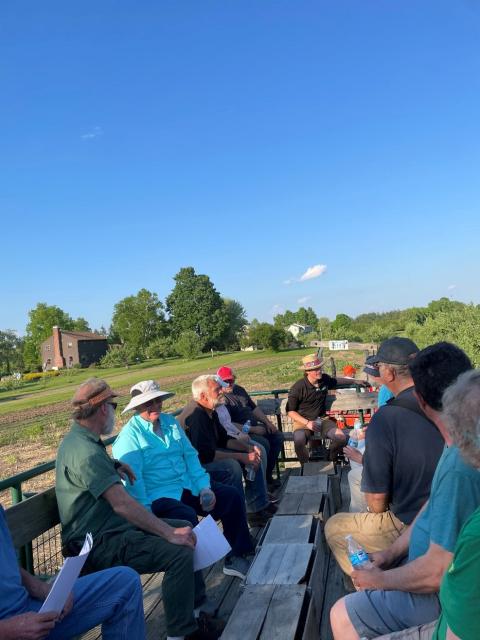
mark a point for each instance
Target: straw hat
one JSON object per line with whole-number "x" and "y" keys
{"x": 311, "y": 362}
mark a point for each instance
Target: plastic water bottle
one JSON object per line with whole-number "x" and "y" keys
{"x": 353, "y": 439}
{"x": 247, "y": 426}
{"x": 356, "y": 554}
{"x": 251, "y": 473}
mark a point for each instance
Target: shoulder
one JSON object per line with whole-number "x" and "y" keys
{"x": 297, "y": 386}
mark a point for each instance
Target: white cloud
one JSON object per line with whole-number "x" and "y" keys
{"x": 94, "y": 133}
{"x": 313, "y": 272}
{"x": 289, "y": 281}
{"x": 303, "y": 300}
{"x": 451, "y": 287}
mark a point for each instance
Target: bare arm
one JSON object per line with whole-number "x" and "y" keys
{"x": 377, "y": 502}
{"x": 128, "y": 508}
{"x": 259, "y": 415}
{"x": 422, "y": 575}
{"x": 451, "y": 635}
{"x": 35, "y": 587}
{"x": 296, "y": 417}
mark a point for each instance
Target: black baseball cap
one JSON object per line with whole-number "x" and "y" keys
{"x": 395, "y": 351}
{"x": 371, "y": 367}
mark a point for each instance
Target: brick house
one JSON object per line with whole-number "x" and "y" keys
{"x": 64, "y": 349}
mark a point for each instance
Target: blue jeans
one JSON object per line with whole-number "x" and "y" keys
{"x": 229, "y": 508}
{"x": 112, "y": 598}
{"x": 272, "y": 443}
{"x": 230, "y": 472}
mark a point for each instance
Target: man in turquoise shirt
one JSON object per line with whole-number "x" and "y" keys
{"x": 170, "y": 479}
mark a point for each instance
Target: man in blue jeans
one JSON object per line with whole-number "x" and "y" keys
{"x": 112, "y": 598}
{"x": 222, "y": 456}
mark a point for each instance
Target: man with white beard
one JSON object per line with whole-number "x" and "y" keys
{"x": 91, "y": 498}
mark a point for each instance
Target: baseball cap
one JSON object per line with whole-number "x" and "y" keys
{"x": 395, "y": 351}
{"x": 225, "y": 373}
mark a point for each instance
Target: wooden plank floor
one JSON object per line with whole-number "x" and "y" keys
{"x": 223, "y": 590}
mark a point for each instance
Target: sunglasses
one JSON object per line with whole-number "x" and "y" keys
{"x": 229, "y": 381}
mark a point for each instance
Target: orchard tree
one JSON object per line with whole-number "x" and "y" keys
{"x": 39, "y": 328}
{"x": 195, "y": 305}
{"x": 189, "y": 345}
{"x": 139, "y": 320}
{"x": 80, "y": 324}
{"x": 266, "y": 336}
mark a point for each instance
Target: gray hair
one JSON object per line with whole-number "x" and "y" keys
{"x": 201, "y": 384}
{"x": 461, "y": 414}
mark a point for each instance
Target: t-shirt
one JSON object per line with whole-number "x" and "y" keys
{"x": 455, "y": 496}
{"x": 13, "y": 595}
{"x": 402, "y": 449}
{"x": 84, "y": 472}
{"x": 165, "y": 463}
{"x": 460, "y": 588}
{"x": 204, "y": 430}
{"x": 240, "y": 405}
{"x": 308, "y": 399}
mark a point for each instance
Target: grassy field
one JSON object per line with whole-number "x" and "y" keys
{"x": 34, "y": 418}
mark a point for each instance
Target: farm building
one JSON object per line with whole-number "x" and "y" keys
{"x": 64, "y": 349}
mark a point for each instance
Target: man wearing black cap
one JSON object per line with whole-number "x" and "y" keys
{"x": 402, "y": 450}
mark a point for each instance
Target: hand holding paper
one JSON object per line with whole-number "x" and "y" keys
{"x": 211, "y": 544}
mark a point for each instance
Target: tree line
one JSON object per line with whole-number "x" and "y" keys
{"x": 195, "y": 317}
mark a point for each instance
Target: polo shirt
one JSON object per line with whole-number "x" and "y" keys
{"x": 13, "y": 595}
{"x": 310, "y": 400}
{"x": 402, "y": 449}
{"x": 204, "y": 430}
{"x": 164, "y": 462}
{"x": 84, "y": 472}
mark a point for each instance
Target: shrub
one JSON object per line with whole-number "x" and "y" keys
{"x": 189, "y": 345}
{"x": 38, "y": 375}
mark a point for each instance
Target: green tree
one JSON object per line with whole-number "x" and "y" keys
{"x": 306, "y": 316}
{"x": 237, "y": 320}
{"x": 11, "y": 358}
{"x": 161, "y": 348}
{"x": 324, "y": 328}
{"x": 266, "y": 336}
{"x": 189, "y": 345}
{"x": 138, "y": 320}
{"x": 80, "y": 324}
{"x": 39, "y": 328}
{"x": 195, "y": 305}
{"x": 120, "y": 355}
{"x": 341, "y": 326}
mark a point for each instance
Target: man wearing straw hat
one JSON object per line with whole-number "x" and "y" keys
{"x": 306, "y": 406}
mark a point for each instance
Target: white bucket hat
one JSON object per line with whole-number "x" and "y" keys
{"x": 143, "y": 392}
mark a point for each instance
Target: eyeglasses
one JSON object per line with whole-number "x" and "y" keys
{"x": 229, "y": 382}
{"x": 112, "y": 404}
{"x": 155, "y": 401}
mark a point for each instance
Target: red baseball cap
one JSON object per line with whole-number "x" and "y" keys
{"x": 225, "y": 373}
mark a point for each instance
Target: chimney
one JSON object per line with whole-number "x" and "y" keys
{"x": 58, "y": 360}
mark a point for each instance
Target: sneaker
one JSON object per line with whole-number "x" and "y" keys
{"x": 208, "y": 628}
{"x": 236, "y": 566}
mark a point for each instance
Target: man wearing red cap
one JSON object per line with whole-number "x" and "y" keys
{"x": 242, "y": 408}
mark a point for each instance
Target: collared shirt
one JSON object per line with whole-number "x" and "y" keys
{"x": 13, "y": 595}
{"x": 84, "y": 472}
{"x": 240, "y": 405}
{"x": 309, "y": 400}
{"x": 164, "y": 464}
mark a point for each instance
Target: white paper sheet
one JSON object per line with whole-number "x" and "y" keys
{"x": 211, "y": 544}
{"x": 55, "y": 601}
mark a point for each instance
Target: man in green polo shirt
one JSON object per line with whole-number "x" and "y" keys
{"x": 91, "y": 498}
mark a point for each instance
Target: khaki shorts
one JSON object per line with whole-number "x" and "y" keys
{"x": 425, "y": 632}
{"x": 327, "y": 425}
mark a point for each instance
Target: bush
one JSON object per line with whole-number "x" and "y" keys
{"x": 38, "y": 375}
{"x": 161, "y": 348}
{"x": 8, "y": 383}
{"x": 189, "y": 345}
{"x": 119, "y": 355}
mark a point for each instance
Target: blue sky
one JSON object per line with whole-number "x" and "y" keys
{"x": 251, "y": 140}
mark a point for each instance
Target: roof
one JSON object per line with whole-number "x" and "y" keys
{"x": 83, "y": 335}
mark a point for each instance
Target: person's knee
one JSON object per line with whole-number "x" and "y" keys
{"x": 300, "y": 438}
{"x": 342, "y": 627}
{"x": 335, "y": 527}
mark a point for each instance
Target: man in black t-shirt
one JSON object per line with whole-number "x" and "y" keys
{"x": 306, "y": 406}
{"x": 401, "y": 453}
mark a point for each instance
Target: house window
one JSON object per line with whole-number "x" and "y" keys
{"x": 47, "y": 348}
{"x": 69, "y": 345}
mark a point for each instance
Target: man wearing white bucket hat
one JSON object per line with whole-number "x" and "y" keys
{"x": 170, "y": 479}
